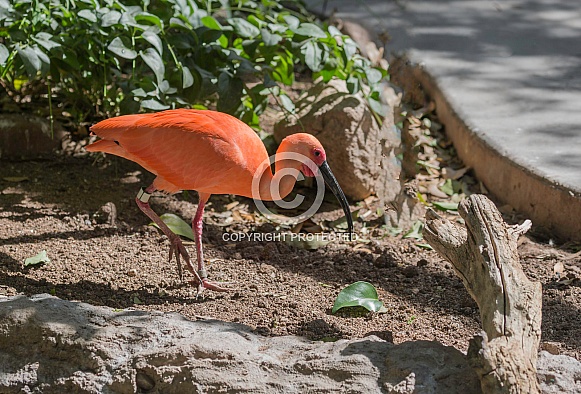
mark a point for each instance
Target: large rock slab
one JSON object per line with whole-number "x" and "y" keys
{"x": 558, "y": 373}
{"x": 361, "y": 152}
{"x": 25, "y": 136}
{"x": 48, "y": 345}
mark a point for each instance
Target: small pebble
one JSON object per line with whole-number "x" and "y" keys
{"x": 422, "y": 263}
{"x": 132, "y": 272}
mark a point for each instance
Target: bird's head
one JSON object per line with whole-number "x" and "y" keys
{"x": 311, "y": 154}
{"x": 312, "y": 160}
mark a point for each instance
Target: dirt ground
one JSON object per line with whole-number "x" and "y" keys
{"x": 278, "y": 289}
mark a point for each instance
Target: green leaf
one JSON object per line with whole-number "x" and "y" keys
{"x": 139, "y": 92}
{"x": 358, "y": 294}
{"x": 44, "y": 40}
{"x": 4, "y": 54}
{"x": 269, "y": 38}
{"x": 310, "y": 30}
{"x": 188, "y": 78}
{"x": 88, "y": 15}
{"x": 229, "y": 92}
{"x": 244, "y": 28}
{"x": 425, "y": 246}
{"x": 40, "y": 258}
{"x": 70, "y": 58}
{"x": 313, "y": 55}
{"x": 353, "y": 84}
{"x": 292, "y": 21}
{"x": 32, "y": 62}
{"x": 376, "y": 106}
{"x": 16, "y": 178}
{"x": 421, "y": 198}
{"x": 154, "y": 105}
{"x": 333, "y": 31}
{"x": 416, "y": 231}
{"x": 154, "y": 61}
{"x": 447, "y": 187}
{"x": 118, "y": 47}
{"x": 154, "y": 40}
{"x": 287, "y": 103}
{"x": 41, "y": 55}
{"x": 350, "y": 48}
{"x": 446, "y": 206}
{"x": 211, "y": 22}
{"x": 176, "y": 225}
{"x": 179, "y": 24}
{"x": 110, "y": 18}
{"x": 284, "y": 72}
{"x": 150, "y": 18}
{"x": 373, "y": 75}
{"x": 341, "y": 223}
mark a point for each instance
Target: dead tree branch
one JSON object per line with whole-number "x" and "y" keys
{"x": 484, "y": 255}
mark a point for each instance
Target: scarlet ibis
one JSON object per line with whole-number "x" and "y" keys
{"x": 212, "y": 153}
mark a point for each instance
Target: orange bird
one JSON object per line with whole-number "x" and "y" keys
{"x": 212, "y": 153}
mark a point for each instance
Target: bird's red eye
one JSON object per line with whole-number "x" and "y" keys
{"x": 317, "y": 153}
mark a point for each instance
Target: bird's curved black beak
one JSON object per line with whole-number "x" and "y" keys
{"x": 331, "y": 181}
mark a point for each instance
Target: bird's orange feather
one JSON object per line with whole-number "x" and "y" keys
{"x": 207, "y": 151}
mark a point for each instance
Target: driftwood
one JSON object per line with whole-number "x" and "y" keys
{"x": 484, "y": 255}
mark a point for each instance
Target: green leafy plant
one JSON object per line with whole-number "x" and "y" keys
{"x": 107, "y": 57}
{"x": 358, "y": 294}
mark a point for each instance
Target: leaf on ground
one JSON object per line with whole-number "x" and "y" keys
{"x": 176, "y": 225}
{"x": 15, "y": 178}
{"x": 358, "y": 294}
{"x": 415, "y": 231}
{"x": 433, "y": 189}
{"x": 446, "y": 206}
{"x": 40, "y": 258}
{"x": 450, "y": 173}
{"x": 447, "y": 187}
{"x": 341, "y": 223}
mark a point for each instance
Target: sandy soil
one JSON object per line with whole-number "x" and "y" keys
{"x": 279, "y": 289}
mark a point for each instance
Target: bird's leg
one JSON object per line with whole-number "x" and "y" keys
{"x": 176, "y": 245}
{"x": 197, "y": 225}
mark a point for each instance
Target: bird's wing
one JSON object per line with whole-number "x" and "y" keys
{"x": 202, "y": 150}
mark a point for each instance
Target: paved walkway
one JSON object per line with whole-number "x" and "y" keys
{"x": 511, "y": 70}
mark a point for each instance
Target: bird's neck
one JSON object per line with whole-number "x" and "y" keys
{"x": 277, "y": 186}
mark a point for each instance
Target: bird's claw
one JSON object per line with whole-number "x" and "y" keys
{"x": 201, "y": 280}
{"x": 176, "y": 247}
{"x": 214, "y": 286}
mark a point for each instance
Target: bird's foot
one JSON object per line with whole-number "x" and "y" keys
{"x": 207, "y": 284}
{"x": 179, "y": 250}
{"x": 214, "y": 286}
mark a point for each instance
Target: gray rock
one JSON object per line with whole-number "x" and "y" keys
{"x": 24, "y": 136}
{"x": 558, "y": 374}
{"x": 361, "y": 153}
{"x": 48, "y": 345}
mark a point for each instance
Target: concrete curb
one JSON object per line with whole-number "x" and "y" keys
{"x": 551, "y": 206}
{"x": 548, "y": 204}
